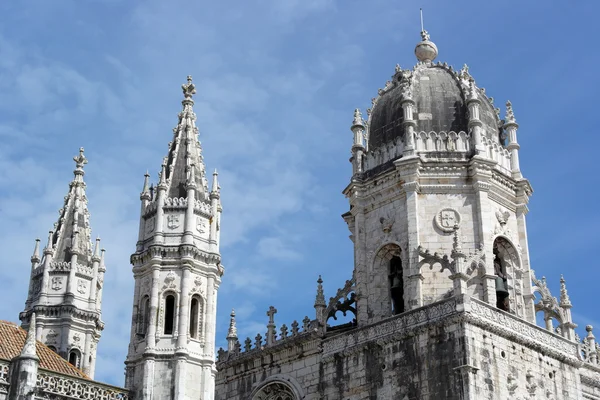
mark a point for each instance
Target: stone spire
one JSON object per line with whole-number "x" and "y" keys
{"x": 426, "y": 51}
{"x": 565, "y": 301}
{"x": 232, "y": 333}
{"x": 29, "y": 346}
{"x": 320, "y": 306}
{"x": 69, "y": 273}
{"x": 185, "y": 152}
{"x": 320, "y": 298}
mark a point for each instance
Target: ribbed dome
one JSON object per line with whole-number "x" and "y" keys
{"x": 440, "y": 99}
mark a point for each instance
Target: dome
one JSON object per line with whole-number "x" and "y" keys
{"x": 439, "y": 94}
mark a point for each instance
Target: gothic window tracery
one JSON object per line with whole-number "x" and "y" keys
{"x": 275, "y": 391}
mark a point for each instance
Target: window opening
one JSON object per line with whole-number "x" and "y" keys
{"x": 169, "y": 314}
{"x": 502, "y": 296}
{"x": 194, "y": 318}
{"x": 396, "y": 285}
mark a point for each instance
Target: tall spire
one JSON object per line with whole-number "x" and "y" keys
{"x": 426, "y": 51}
{"x": 232, "y": 333}
{"x": 185, "y": 152}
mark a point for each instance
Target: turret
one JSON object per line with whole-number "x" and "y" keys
{"x": 358, "y": 148}
{"x": 510, "y": 127}
{"x": 70, "y": 272}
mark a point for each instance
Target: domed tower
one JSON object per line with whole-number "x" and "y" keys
{"x": 436, "y": 171}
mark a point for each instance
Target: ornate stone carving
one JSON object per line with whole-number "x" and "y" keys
{"x": 57, "y": 283}
{"x": 502, "y": 217}
{"x": 200, "y": 225}
{"x": 81, "y": 286}
{"x": 51, "y": 384}
{"x": 447, "y": 219}
{"x": 173, "y": 221}
{"x": 51, "y": 336}
{"x": 170, "y": 281}
{"x": 275, "y": 391}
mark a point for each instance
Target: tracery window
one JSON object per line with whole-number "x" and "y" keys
{"x": 275, "y": 391}
{"x": 169, "y": 314}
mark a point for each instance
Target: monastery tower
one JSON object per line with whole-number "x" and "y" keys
{"x": 65, "y": 289}
{"x": 177, "y": 271}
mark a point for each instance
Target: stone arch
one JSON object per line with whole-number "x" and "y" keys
{"x": 387, "y": 281}
{"x": 169, "y": 313}
{"x": 278, "y": 387}
{"x": 508, "y": 266}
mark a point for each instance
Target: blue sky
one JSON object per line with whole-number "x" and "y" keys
{"x": 277, "y": 82}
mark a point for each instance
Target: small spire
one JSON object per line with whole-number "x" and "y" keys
{"x": 426, "y": 51}
{"x": 29, "y": 346}
{"x": 146, "y": 187}
{"x": 102, "y": 265}
{"x": 565, "y": 301}
{"x": 472, "y": 91}
{"x": 189, "y": 89}
{"x": 35, "y": 258}
{"x": 163, "y": 174}
{"x": 320, "y": 299}
{"x": 48, "y": 248}
{"x": 192, "y": 177}
{"x": 215, "y": 182}
{"x": 510, "y": 115}
{"x": 232, "y": 333}
{"x": 97, "y": 248}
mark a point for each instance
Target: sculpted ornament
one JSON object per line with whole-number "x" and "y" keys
{"x": 51, "y": 336}
{"x": 57, "y": 283}
{"x": 447, "y": 219}
{"x": 200, "y": 225}
{"x": 170, "y": 281}
{"x": 275, "y": 391}
{"x": 81, "y": 286}
{"x": 173, "y": 221}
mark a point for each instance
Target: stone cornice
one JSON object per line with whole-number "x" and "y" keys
{"x": 166, "y": 252}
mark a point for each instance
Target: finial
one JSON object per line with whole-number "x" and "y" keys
{"x": 163, "y": 174}
{"x": 80, "y": 161}
{"x": 358, "y": 119}
{"x": 102, "y": 265}
{"x": 29, "y": 346}
{"x": 565, "y": 301}
{"x": 35, "y": 258}
{"x": 97, "y": 247}
{"x": 189, "y": 89}
{"x": 320, "y": 299}
{"x": 232, "y": 334}
{"x": 510, "y": 115}
{"x": 146, "y": 182}
{"x": 49, "y": 244}
{"x": 472, "y": 91}
{"x": 215, "y": 182}
{"x": 426, "y": 51}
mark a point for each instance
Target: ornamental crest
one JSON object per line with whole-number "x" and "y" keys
{"x": 198, "y": 286}
{"x": 57, "y": 283}
{"x": 81, "y": 286}
{"x": 447, "y": 219}
{"x": 173, "y": 221}
{"x": 200, "y": 225}
{"x": 170, "y": 281}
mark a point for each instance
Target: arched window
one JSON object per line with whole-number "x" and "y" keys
{"x": 169, "y": 314}
{"x": 75, "y": 358}
{"x": 194, "y": 309}
{"x": 275, "y": 391}
{"x": 502, "y": 295}
{"x": 396, "y": 279}
{"x": 144, "y": 316}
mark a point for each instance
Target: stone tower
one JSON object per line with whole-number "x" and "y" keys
{"x": 65, "y": 289}
{"x": 435, "y": 168}
{"x": 177, "y": 271}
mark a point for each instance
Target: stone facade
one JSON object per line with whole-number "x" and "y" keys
{"x": 177, "y": 271}
{"x": 444, "y": 299}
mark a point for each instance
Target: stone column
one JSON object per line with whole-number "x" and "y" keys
{"x": 151, "y": 331}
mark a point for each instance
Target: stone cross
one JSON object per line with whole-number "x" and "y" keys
{"x": 271, "y": 326}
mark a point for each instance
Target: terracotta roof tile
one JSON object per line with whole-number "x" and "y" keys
{"x": 12, "y": 339}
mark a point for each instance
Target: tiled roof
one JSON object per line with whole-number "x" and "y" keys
{"x": 12, "y": 339}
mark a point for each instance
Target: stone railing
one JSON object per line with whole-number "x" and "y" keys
{"x": 202, "y": 208}
{"x": 521, "y": 331}
{"x": 496, "y": 152}
{"x": 286, "y": 336}
{"x": 69, "y": 387}
{"x": 175, "y": 202}
{"x": 85, "y": 271}
{"x": 399, "y": 324}
{"x": 442, "y": 142}
{"x": 384, "y": 153}
{"x": 60, "y": 266}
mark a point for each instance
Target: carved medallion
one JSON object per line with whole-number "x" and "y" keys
{"x": 81, "y": 286}
{"x": 57, "y": 283}
{"x": 173, "y": 221}
{"x": 447, "y": 219}
{"x": 170, "y": 281}
{"x": 200, "y": 225}
{"x": 502, "y": 217}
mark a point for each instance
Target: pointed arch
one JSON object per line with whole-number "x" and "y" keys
{"x": 509, "y": 276}
{"x": 387, "y": 280}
